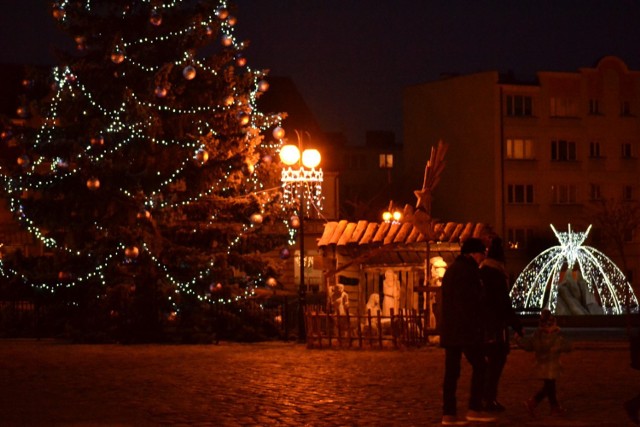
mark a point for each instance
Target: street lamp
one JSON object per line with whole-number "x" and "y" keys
{"x": 392, "y": 214}
{"x": 302, "y": 181}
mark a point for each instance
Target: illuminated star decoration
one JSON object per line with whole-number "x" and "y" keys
{"x": 537, "y": 286}
{"x": 421, "y": 216}
{"x": 432, "y": 173}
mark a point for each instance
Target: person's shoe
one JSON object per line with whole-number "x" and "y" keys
{"x": 557, "y": 410}
{"x": 494, "y": 406}
{"x": 453, "y": 420}
{"x": 531, "y": 404}
{"x": 481, "y": 417}
{"x": 632, "y": 411}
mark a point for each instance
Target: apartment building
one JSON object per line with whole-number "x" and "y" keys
{"x": 524, "y": 155}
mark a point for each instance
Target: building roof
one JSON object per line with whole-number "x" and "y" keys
{"x": 344, "y": 233}
{"x": 385, "y": 245}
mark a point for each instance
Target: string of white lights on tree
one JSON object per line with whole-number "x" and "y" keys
{"x": 40, "y": 173}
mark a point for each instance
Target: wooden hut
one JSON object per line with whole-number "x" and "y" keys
{"x": 361, "y": 255}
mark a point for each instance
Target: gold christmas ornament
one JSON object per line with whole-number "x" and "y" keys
{"x": 97, "y": 140}
{"x": 161, "y": 92}
{"x": 155, "y": 18}
{"x": 23, "y": 160}
{"x": 278, "y": 133}
{"x": 131, "y": 252}
{"x": 263, "y": 86}
{"x": 202, "y": 156}
{"x": 117, "y": 57}
{"x": 223, "y": 13}
{"x": 93, "y": 183}
{"x": 189, "y": 72}
{"x": 256, "y": 218}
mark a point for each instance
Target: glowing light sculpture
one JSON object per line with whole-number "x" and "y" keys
{"x": 537, "y": 286}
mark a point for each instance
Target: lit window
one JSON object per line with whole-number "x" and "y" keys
{"x": 519, "y": 148}
{"x": 386, "y": 161}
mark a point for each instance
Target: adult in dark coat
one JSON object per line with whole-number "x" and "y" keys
{"x": 462, "y": 331}
{"x": 499, "y": 316}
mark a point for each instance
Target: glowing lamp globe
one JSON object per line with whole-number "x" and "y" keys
{"x": 386, "y": 216}
{"x": 289, "y": 154}
{"x": 397, "y": 215}
{"x": 311, "y": 158}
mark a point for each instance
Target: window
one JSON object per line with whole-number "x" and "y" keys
{"x": 520, "y": 193}
{"x": 563, "y": 194}
{"x": 563, "y": 151}
{"x": 625, "y": 108}
{"x": 594, "y": 192}
{"x": 627, "y": 192}
{"x": 386, "y": 161}
{"x": 563, "y": 107}
{"x": 594, "y": 150}
{"x": 627, "y": 151}
{"x": 519, "y": 105}
{"x": 519, "y": 238}
{"x": 519, "y": 149}
{"x": 594, "y": 106}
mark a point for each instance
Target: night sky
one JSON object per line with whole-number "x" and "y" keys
{"x": 351, "y": 59}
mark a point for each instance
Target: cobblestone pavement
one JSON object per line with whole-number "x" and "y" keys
{"x": 48, "y": 383}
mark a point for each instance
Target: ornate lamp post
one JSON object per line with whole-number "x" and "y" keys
{"x": 302, "y": 181}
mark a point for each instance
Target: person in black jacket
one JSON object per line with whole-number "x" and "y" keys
{"x": 462, "y": 332}
{"x": 499, "y": 316}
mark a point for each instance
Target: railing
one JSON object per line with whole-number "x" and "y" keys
{"x": 408, "y": 328}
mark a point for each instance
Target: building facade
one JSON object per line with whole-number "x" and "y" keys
{"x": 523, "y": 156}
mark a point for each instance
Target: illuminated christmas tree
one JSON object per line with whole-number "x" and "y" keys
{"x": 148, "y": 180}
